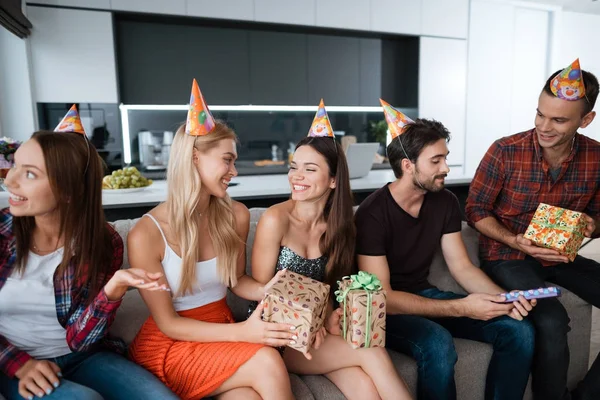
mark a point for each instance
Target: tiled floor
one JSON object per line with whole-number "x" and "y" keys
{"x": 592, "y": 250}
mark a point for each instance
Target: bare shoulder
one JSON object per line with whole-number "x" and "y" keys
{"x": 145, "y": 235}
{"x": 277, "y": 217}
{"x": 240, "y": 211}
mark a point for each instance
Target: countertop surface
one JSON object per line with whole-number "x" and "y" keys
{"x": 245, "y": 168}
{"x": 247, "y": 187}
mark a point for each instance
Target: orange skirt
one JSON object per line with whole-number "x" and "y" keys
{"x": 192, "y": 370}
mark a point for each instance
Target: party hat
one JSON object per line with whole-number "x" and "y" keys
{"x": 396, "y": 120}
{"x": 200, "y": 122}
{"x": 568, "y": 84}
{"x": 321, "y": 125}
{"x": 70, "y": 122}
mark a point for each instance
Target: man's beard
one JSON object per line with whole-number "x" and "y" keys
{"x": 431, "y": 185}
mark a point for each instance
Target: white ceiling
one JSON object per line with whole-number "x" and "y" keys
{"x": 583, "y": 6}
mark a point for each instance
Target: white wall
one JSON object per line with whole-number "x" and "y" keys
{"x": 442, "y": 90}
{"x": 17, "y": 112}
{"x": 507, "y": 67}
{"x": 577, "y": 35}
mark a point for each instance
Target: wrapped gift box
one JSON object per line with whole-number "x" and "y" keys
{"x": 558, "y": 229}
{"x": 300, "y": 301}
{"x": 363, "y": 304}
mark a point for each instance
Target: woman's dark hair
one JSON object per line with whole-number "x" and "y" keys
{"x": 339, "y": 238}
{"x": 75, "y": 173}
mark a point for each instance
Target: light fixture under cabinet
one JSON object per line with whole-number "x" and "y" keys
{"x": 125, "y": 108}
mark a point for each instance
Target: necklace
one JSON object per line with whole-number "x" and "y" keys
{"x": 37, "y": 249}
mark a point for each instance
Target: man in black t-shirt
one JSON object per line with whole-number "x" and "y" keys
{"x": 400, "y": 227}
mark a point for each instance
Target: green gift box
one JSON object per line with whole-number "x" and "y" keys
{"x": 364, "y": 310}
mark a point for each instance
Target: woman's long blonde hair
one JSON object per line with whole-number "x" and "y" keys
{"x": 184, "y": 186}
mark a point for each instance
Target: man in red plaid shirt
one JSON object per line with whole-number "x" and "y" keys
{"x": 553, "y": 164}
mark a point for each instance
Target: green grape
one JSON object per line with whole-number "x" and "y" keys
{"x": 126, "y": 178}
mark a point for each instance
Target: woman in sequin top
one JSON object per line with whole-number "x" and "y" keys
{"x": 313, "y": 234}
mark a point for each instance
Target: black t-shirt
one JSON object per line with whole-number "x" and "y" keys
{"x": 409, "y": 244}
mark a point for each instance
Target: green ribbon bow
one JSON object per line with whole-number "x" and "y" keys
{"x": 361, "y": 281}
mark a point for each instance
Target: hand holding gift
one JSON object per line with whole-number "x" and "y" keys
{"x": 300, "y": 301}
{"x": 364, "y": 310}
{"x": 333, "y": 324}
{"x": 590, "y": 226}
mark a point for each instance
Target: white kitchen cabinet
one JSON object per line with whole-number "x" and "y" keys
{"x": 442, "y": 88}
{"x": 96, "y": 4}
{"x": 224, "y": 9}
{"x": 17, "y": 108}
{"x": 490, "y": 79}
{"x": 72, "y": 62}
{"x": 508, "y": 65}
{"x": 286, "y": 11}
{"x": 345, "y": 14}
{"x": 568, "y": 44}
{"x": 173, "y": 7}
{"x": 445, "y": 18}
{"x": 529, "y": 66}
{"x": 396, "y": 16}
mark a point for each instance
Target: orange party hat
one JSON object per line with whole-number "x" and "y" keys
{"x": 568, "y": 84}
{"x": 321, "y": 125}
{"x": 200, "y": 122}
{"x": 70, "y": 122}
{"x": 396, "y": 120}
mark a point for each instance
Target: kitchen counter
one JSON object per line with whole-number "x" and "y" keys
{"x": 246, "y": 168}
{"x": 248, "y": 187}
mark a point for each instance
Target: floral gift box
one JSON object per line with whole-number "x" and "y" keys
{"x": 558, "y": 229}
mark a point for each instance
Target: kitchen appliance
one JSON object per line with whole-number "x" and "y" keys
{"x": 154, "y": 148}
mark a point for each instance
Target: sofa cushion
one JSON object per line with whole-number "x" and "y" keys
{"x": 473, "y": 357}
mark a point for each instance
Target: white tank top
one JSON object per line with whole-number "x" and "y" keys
{"x": 28, "y": 308}
{"x": 208, "y": 287}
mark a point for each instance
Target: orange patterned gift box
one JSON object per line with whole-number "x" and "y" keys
{"x": 558, "y": 229}
{"x": 363, "y": 304}
{"x": 298, "y": 300}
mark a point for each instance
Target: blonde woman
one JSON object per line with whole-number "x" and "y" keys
{"x": 197, "y": 240}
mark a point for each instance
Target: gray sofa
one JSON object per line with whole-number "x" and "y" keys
{"x": 473, "y": 357}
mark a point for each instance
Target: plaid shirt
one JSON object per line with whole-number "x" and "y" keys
{"x": 513, "y": 178}
{"x": 85, "y": 325}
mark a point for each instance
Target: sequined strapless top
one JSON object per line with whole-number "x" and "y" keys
{"x": 311, "y": 267}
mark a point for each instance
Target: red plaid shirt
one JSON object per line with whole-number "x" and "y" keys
{"x": 85, "y": 325}
{"x": 513, "y": 178}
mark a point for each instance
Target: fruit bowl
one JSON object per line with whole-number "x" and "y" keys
{"x": 126, "y": 180}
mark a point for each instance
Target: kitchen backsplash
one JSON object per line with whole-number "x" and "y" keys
{"x": 102, "y": 124}
{"x": 258, "y": 130}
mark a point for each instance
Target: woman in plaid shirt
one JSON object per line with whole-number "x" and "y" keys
{"x": 55, "y": 311}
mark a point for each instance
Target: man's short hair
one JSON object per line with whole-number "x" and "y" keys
{"x": 417, "y": 135}
{"x": 590, "y": 82}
